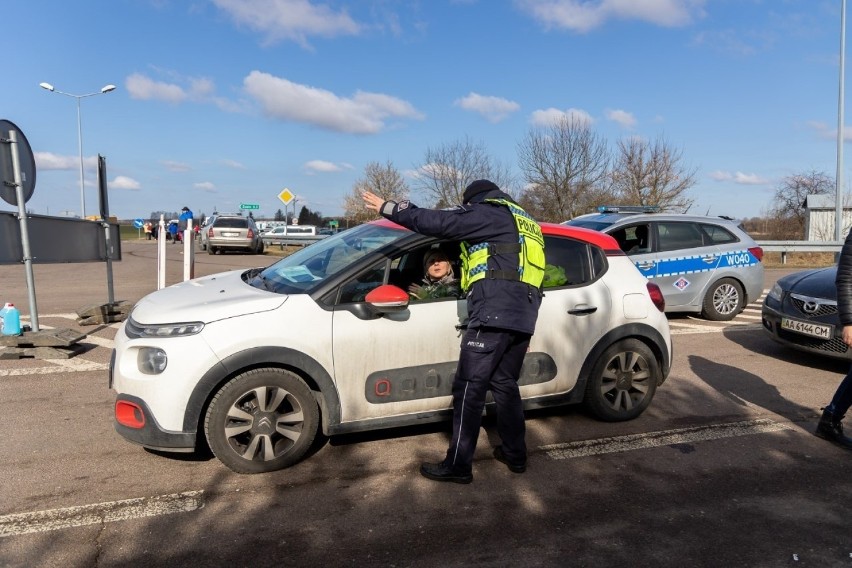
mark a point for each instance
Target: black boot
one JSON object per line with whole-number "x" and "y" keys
{"x": 831, "y": 429}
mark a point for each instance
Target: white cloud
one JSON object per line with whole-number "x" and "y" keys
{"x": 363, "y": 113}
{"x": 141, "y": 87}
{"x": 293, "y": 20}
{"x": 176, "y": 166}
{"x": 51, "y": 161}
{"x": 739, "y": 178}
{"x": 233, "y": 164}
{"x": 586, "y": 15}
{"x": 124, "y": 182}
{"x": 551, "y": 116}
{"x": 494, "y": 109}
{"x": 829, "y": 133}
{"x": 322, "y": 166}
{"x": 205, "y": 186}
{"x": 622, "y": 117}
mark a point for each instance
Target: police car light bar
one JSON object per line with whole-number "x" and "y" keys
{"x": 629, "y": 209}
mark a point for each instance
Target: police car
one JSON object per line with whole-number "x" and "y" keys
{"x": 706, "y": 265}
{"x": 256, "y": 363}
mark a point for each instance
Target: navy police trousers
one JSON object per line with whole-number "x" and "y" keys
{"x": 490, "y": 359}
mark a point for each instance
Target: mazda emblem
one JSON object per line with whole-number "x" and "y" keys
{"x": 810, "y": 307}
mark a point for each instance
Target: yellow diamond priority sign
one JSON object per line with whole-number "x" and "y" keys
{"x": 286, "y": 196}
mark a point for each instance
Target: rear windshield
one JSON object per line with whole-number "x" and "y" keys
{"x": 231, "y": 223}
{"x": 594, "y": 225}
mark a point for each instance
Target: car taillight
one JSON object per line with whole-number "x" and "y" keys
{"x": 210, "y": 232}
{"x": 250, "y": 234}
{"x": 757, "y": 252}
{"x": 656, "y": 296}
{"x": 129, "y": 414}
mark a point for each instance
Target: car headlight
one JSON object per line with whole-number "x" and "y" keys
{"x": 136, "y": 330}
{"x": 151, "y": 360}
{"x": 775, "y": 292}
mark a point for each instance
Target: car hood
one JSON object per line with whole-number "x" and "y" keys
{"x": 206, "y": 299}
{"x": 818, "y": 283}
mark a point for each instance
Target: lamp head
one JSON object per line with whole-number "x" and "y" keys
{"x": 108, "y": 88}
{"x": 47, "y": 86}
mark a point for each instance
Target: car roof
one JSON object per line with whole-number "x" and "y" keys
{"x": 602, "y": 240}
{"x": 621, "y": 218}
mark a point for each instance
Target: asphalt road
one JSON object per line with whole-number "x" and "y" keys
{"x": 722, "y": 470}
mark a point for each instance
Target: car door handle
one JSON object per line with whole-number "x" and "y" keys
{"x": 645, "y": 265}
{"x": 710, "y": 259}
{"x": 583, "y": 310}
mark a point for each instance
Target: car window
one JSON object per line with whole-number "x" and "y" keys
{"x": 357, "y": 289}
{"x": 719, "y": 235}
{"x": 568, "y": 262}
{"x": 633, "y": 239}
{"x": 225, "y": 223}
{"x": 675, "y": 235}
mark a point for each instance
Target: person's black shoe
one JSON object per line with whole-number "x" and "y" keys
{"x": 831, "y": 429}
{"x": 443, "y": 472}
{"x": 513, "y": 467}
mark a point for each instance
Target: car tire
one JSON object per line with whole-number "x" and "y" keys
{"x": 260, "y": 247}
{"x": 211, "y": 250}
{"x": 723, "y": 301}
{"x": 623, "y": 381}
{"x": 263, "y": 420}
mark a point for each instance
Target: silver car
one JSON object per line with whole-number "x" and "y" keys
{"x": 233, "y": 232}
{"x": 706, "y": 265}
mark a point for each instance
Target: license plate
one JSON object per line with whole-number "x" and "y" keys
{"x": 230, "y": 234}
{"x": 805, "y": 328}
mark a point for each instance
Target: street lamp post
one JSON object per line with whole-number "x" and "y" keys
{"x": 104, "y": 90}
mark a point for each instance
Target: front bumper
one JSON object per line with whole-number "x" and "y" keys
{"x": 834, "y": 347}
{"x": 151, "y": 435}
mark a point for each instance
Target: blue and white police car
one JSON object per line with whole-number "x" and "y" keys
{"x": 705, "y": 265}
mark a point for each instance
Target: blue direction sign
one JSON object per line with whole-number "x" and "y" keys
{"x": 138, "y": 223}
{"x": 249, "y": 206}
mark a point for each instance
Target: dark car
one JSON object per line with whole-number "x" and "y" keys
{"x": 800, "y": 311}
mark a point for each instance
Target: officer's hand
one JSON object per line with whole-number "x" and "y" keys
{"x": 372, "y": 201}
{"x": 847, "y": 335}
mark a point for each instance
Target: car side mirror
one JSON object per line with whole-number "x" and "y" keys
{"x": 387, "y": 299}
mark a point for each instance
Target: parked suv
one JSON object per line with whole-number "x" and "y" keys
{"x": 706, "y": 265}
{"x": 233, "y": 232}
{"x": 256, "y": 363}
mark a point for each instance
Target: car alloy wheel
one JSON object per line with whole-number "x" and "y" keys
{"x": 623, "y": 381}
{"x": 724, "y": 300}
{"x": 262, "y": 420}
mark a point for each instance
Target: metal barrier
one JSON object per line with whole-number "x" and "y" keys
{"x": 293, "y": 241}
{"x": 785, "y": 247}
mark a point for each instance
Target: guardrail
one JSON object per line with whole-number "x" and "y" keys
{"x": 785, "y": 247}
{"x": 292, "y": 241}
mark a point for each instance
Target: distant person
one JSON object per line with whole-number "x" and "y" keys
{"x": 439, "y": 281}
{"x": 148, "y": 228}
{"x": 184, "y": 218}
{"x": 830, "y": 426}
{"x": 173, "y": 231}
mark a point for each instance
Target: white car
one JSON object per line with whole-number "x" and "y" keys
{"x": 255, "y": 363}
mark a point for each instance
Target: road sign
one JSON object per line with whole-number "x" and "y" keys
{"x": 286, "y": 196}
{"x": 26, "y": 163}
{"x": 138, "y": 223}
{"x": 249, "y": 206}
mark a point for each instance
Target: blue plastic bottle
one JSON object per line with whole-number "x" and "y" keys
{"x": 11, "y": 320}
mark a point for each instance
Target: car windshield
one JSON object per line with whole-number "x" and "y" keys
{"x": 323, "y": 259}
{"x": 588, "y": 224}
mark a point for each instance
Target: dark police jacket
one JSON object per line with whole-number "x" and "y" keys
{"x": 843, "y": 281}
{"x": 503, "y": 304}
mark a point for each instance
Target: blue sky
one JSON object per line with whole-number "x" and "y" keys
{"x": 222, "y": 102}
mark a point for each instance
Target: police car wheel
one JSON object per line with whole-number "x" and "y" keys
{"x": 623, "y": 381}
{"x": 263, "y": 420}
{"x": 723, "y": 301}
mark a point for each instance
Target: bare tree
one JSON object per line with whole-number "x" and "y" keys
{"x": 649, "y": 173}
{"x": 788, "y": 203}
{"x": 565, "y": 168}
{"x": 383, "y": 180}
{"x": 448, "y": 169}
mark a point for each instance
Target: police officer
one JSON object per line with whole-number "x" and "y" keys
{"x": 502, "y": 269}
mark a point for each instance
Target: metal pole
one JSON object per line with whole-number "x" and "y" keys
{"x": 161, "y": 254}
{"x": 25, "y": 236}
{"x": 80, "y": 146}
{"x": 838, "y": 213}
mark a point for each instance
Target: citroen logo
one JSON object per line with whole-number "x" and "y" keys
{"x": 810, "y": 307}
{"x": 264, "y": 422}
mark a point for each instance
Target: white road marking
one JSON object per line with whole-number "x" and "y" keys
{"x": 665, "y": 438}
{"x": 111, "y": 511}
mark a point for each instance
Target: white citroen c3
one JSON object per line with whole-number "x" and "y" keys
{"x": 255, "y": 363}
